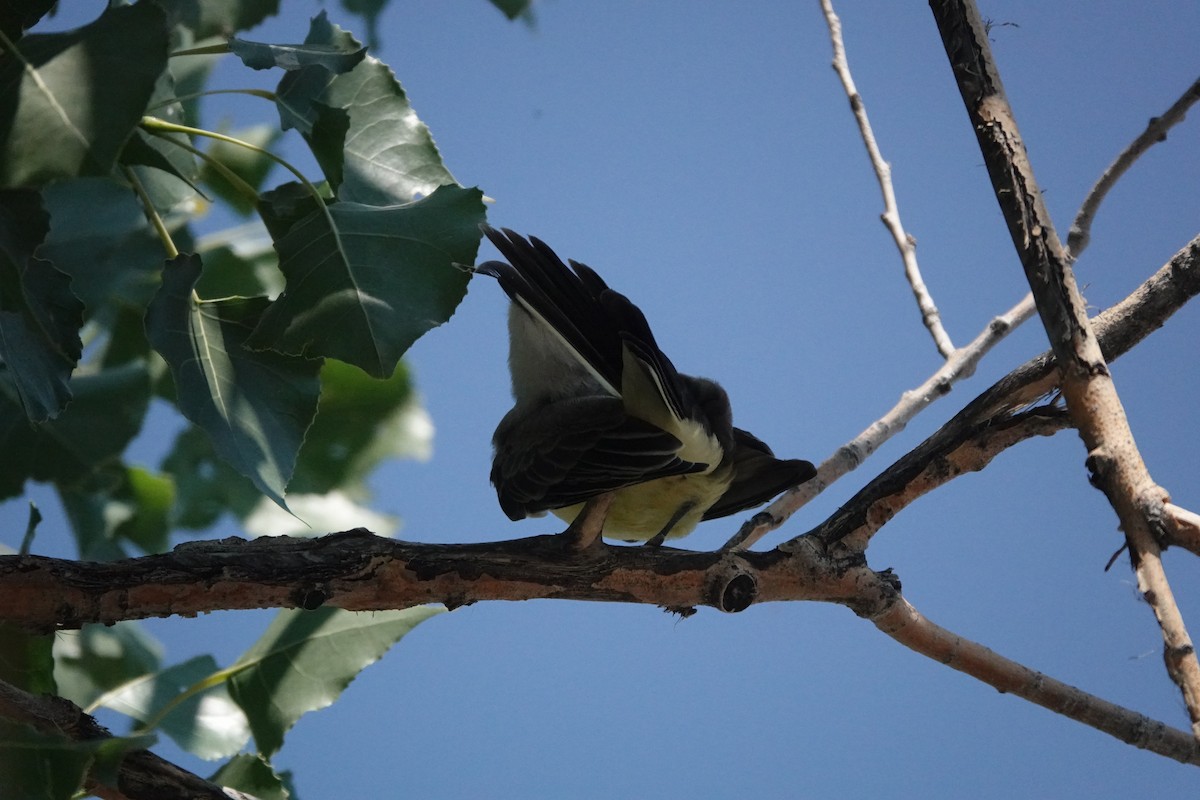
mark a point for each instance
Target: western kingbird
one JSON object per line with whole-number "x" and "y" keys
{"x": 599, "y": 409}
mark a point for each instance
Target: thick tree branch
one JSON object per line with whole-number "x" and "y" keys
{"x": 361, "y": 572}
{"x": 1113, "y": 458}
{"x": 141, "y": 774}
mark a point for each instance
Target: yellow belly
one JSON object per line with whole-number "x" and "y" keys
{"x": 641, "y": 511}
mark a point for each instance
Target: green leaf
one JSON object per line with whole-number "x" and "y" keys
{"x": 239, "y": 262}
{"x": 369, "y": 10}
{"x": 99, "y": 236}
{"x": 17, "y": 16}
{"x": 98, "y": 658}
{"x": 336, "y": 57}
{"x": 360, "y": 422}
{"x": 205, "y": 485}
{"x": 251, "y": 774}
{"x": 254, "y": 405}
{"x": 306, "y": 659}
{"x": 106, "y": 413}
{"x": 250, "y": 166}
{"x": 121, "y": 504}
{"x": 364, "y": 282}
{"x": 53, "y": 85}
{"x": 27, "y": 662}
{"x": 39, "y": 316}
{"x": 41, "y": 765}
{"x": 515, "y": 8}
{"x": 207, "y": 18}
{"x": 203, "y": 721}
{"x": 166, "y": 170}
{"x": 390, "y": 156}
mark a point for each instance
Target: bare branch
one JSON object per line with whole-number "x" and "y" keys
{"x": 141, "y": 775}
{"x": 1114, "y": 461}
{"x": 1182, "y": 527}
{"x": 1156, "y": 131}
{"x": 906, "y": 625}
{"x": 905, "y": 243}
{"x": 993, "y": 420}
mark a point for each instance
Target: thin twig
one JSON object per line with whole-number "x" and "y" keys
{"x": 1156, "y": 131}
{"x": 849, "y": 456}
{"x": 909, "y": 627}
{"x": 1114, "y": 462}
{"x": 905, "y": 243}
{"x": 1182, "y": 526}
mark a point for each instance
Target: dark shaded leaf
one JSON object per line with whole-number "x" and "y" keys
{"x": 515, "y": 8}
{"x": 18, "y": 16}
{"x": 99, "y": 658}
{"x": 207, "y": 18}
{"x": 52, "y": 85}
{"x": 337, "y": 58}
{"x": 369, "y": 10}
{"x": 244, "y": 265}
{"x": 39, "y": 316}
{"x": 205, "y": 485}
{"x": 165, "y": 168}
{"x": 305, "y": 659}
{"x": 252, "y": 167}
{"x": 389, "y": 155}
{"x": 41, "y": 765}
{"x": 251, "y": 774}
{"x": 360, "y": 422}
{"x": 106, "y": 412}
{"x": 254, "y": 405}
{"x": 99, "y": 236}
{"x": 119, "y": 504}
{"x": 28, "y": 662}
{"x": 284, "y": 206}
{"x": 363, "y": 283}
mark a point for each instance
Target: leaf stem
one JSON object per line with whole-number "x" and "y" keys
{"x": 154, "y": 124}
{"x": 151, "y": 212}
{"x": 234, "y": 179}
{"x": 263, "y": 93}
{"x": 207, "y": 50}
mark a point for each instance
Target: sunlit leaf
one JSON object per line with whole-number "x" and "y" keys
{"x": 255, "y": 406}
{"x": 207, "y": 723}
{"x": 52, "y": 85}
{"x": 251, "y": 774}
{"x": 99, "y": 658}
{"x": 316, "y": 515}
{"x": 336, "y": 57}
{"x": 389, "y": 155}
{"x": 363, "y": 283}
{"x": 306, "y": 659}
{"x": 39, "y": 316}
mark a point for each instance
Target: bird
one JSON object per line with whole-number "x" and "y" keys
{"x": 601, "y": 416}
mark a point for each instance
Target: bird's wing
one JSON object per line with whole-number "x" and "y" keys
{"x": 758, "y": 476}
{"x": 575, "y": 449}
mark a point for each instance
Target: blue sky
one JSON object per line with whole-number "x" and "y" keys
{"x": 701, "y": 156}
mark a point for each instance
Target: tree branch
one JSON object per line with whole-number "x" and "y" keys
{"x": 992, "y": 421}
{"x": 357, "y": 571}
{"x": 905, "y": 243}
{"x": 141, "y": 775}
{"x": 1156, "y": 131}
{"x": 1115, "y": 464}
{"x": 900, "y": 620}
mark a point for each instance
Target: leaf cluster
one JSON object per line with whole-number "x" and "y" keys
{"x": 276, "y": 345}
